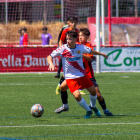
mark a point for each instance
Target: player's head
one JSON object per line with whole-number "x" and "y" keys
{"x": 72, "y": 22}
{"x": 24, "y": 30}
{"x": 71, "y": 37}
{"x": 44, "y": 29}
{"x": 84, "y": 34}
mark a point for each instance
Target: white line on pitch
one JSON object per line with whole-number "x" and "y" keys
{"x": 1, "y": 84}
{"x": 47, "y": 125}
{"x": 33, "y": 83}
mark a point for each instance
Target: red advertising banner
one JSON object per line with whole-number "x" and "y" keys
{"x": 26, "y": 59}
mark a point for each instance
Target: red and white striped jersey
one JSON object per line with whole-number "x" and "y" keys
{"x": 72, "y": 60}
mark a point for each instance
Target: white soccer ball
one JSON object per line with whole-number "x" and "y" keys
{"x": 37, "y": 110}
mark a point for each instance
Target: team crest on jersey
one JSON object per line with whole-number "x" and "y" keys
{"x": 78, "y": 51}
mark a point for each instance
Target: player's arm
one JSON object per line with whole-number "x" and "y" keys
{"x": 62, "y": 38}
{"x": 60, "y": 43}
{"x": 98, "y": 53}
{"x": 89, "y": 58}
{"x": 60, "y": 35}
{"x": 50, "y": 62}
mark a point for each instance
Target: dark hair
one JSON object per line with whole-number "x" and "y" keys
{"x": 45, "y": 28}
{"x": 72, "y": 33}
{"x": 85, "y": 31}
{"x": 72, "y": 19}
{"x": 25, "y": 29}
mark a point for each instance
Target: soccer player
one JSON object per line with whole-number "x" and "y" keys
{"x": 74, "y": 71}
{"x": 21, "y": 37}
{"x": 64, "y": 27}
{"x": 25, "y": 36}
{"x": 84, "y": 34}
{"x": 46, "y": 37}
{"x": 72, "y": 23}
{"x": 60, "y": 62}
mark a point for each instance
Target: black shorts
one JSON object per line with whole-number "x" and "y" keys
{"x": 94, "y": 82}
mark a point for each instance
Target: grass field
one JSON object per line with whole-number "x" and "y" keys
{"x": 18, "y": 92}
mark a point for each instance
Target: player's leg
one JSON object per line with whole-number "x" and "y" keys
{"x": 58, "y": 86}
{"x": 64, "y": 98}
{"x": 82, "y": 103}
{"x": 86, "y": 83}
{"x": 59, "y": 69}
{"x": 74, "y": 86}
{"x": 100, "y": 98}
{"x": 93, "y": 98}
{"x": 102, "y": 103}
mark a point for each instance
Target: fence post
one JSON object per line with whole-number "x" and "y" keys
{"x": 6, "y": 12}
{"x": 62, "y": 10}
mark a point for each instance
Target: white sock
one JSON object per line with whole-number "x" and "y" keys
{"x": 59, "y": 84}
{"x": 66, "y": 105}
{"x": 93, "y": 100}
{"x": 83, "y": 104}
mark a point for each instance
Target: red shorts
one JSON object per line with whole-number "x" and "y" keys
{"x": 79, "y": 83}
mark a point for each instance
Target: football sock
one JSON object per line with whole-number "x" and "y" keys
{"x": 103, "y": 104}
{"x": 93, "y": 100}
{"x": 60, "y": 66}
{"x": 83, "y": 104}
{"x": 64, "y": 97}
{"x": 61, "y": 80}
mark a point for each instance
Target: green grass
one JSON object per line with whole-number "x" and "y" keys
{"x": 18, "y": 92}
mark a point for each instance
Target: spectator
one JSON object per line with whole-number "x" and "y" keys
{"x": 46, "y": 37}
{"x": 21, "y": 37}
{"x": 25, "y": 36}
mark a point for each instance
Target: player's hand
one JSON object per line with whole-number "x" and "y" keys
{"x": 105, "y": 56}
{"x": 51, "y": 67}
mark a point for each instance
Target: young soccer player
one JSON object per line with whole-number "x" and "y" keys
{"x": 46, "y": 37}
{"x": 64, "y": 27}
{"x": 72, "y": 23}
{"x": 74, "y": 71}
{"x": 60, "y": 62}
{"x": 84, "y": 34}
{"x": 25, "y": 36}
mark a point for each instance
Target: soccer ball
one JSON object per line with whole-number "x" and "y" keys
{"x": 37, "y": 110}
